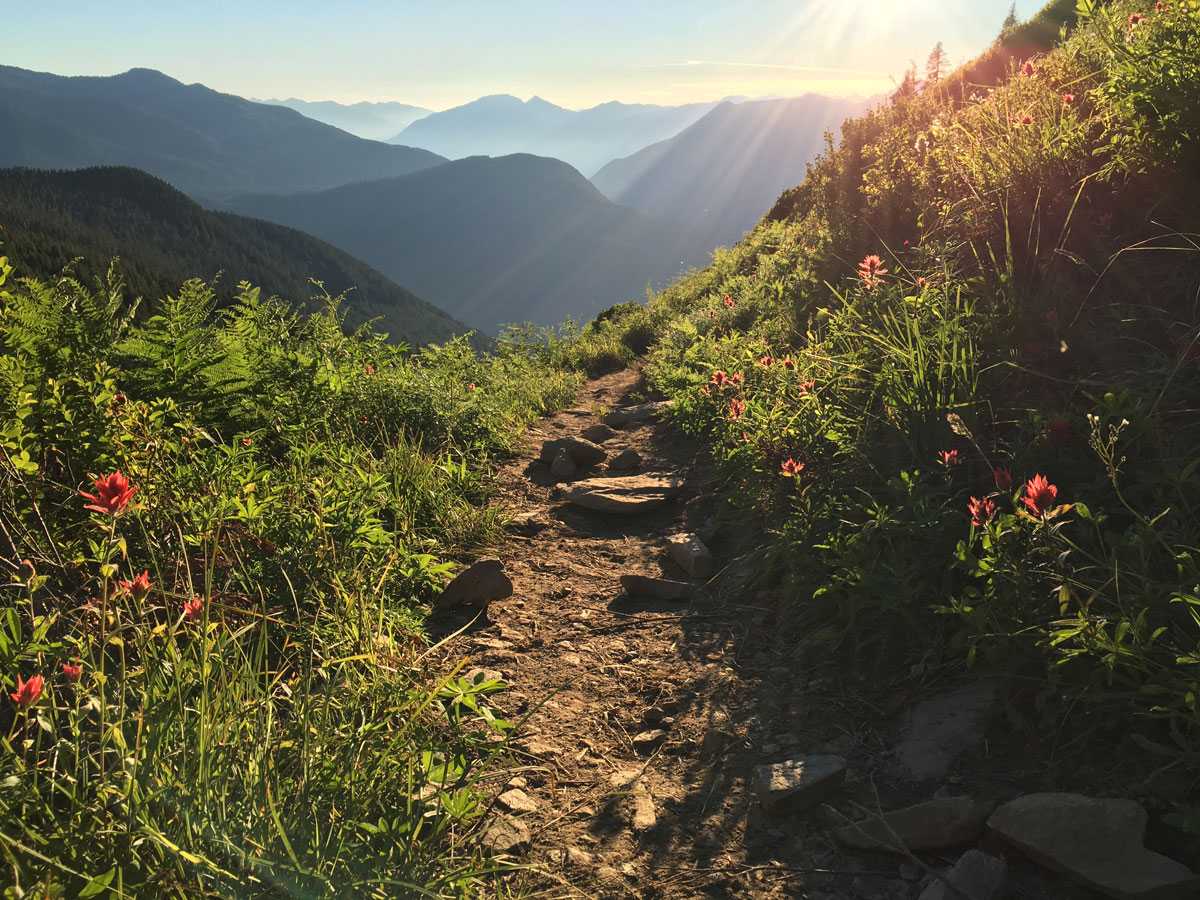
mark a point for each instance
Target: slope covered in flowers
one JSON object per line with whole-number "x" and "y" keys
{"x": 951, "y": 383}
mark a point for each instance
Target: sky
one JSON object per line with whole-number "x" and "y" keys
{"x": 448, "y": 52}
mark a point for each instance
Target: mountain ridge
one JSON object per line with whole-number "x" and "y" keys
{"x": 489, "y": 239}
{"x": 202, "y": 141}
{"x": 48, "y": 219}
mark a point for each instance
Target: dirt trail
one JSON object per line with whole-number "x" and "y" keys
{"x": 671, "y": 815}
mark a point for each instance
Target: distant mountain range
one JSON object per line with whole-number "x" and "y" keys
{"x": 715, "y": 179}
{"x": 373, "y": 121}
{"x": 587, "y": 139}
{"x": 203, "y": 142}
{"x": 512, "y": 239}
{"x": 47, "y": 219}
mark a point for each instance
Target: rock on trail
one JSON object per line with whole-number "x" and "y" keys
{"x": 627, "y": 495}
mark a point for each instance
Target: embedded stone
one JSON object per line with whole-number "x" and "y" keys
{"x": 516, "y": 800}
{"x": 626, "y": 461}
{"x": 476, "y": 586}
{"x": 690, "y": 554}
{"x": 655, "y": 588}
{"x": 505, "y": 835}
{"x": 942, "y": 728}
{"x": 583, "y": 452}
{"x": 1096, "y": 842}
{"x": 933, "y": 825}
{"x": 563, "y": 467}
{"x": 976, "y": 876}
{"x": 598, "y": 434}
{"x": 626, "y": 495}
{"x": 800, "y": 782}
{"x": 635, "y": 415}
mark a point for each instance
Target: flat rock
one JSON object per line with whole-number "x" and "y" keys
{"x": 976, "y": 876}
{"x": 505, "y": 835}
{"x": 481, "y": 675}
{"x": 940, "y": 729}
{"x": 598, "y": 434}
{"x": 516, "y": 800}
{"x": 1096, "y": 842}
{"x": 583, "y": 452}
{"x": 799, "y": 783}
{"x": 627, "y": 460}
{"x": 690, "y": 554}
{"x": 563, "y": 467}
{"x": 649, "y": 739}
{"x": 655, "y": 588}
{"x": 476, "y": 587}
{"x": 635, "y": 415}
{"x": 628, "y": 495}
{"x": 933, "y": 825}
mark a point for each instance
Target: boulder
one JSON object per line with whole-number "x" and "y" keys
{"x": 799, "y": 783}
{"x": 976, "y": 876}
{"x": 656, "y": 588}
{"x": 584, "y": 453}
{"x": 476, "y": 586}
{"x": 627, "y": 460}
{"x": 690, "y": 554}
{"x": 627, "y": 495}
{"x": 1096, "y": 842}
{"x": 635, "y": 415}
{"x": 598, "y": 434}
{"x": 933, "y": 825}
{"x": 940, "y": 729}
{"x": 563, "y": 467}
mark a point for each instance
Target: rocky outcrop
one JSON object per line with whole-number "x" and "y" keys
{"x": 583, "y": 452}
{"x": 799, "y": 783}
{"x": 933, "y": 825}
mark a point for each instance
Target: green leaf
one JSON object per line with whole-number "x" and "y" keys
{"x": 98, "y": 884}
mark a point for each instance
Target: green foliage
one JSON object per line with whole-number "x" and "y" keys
{"x": 258, "y": 721}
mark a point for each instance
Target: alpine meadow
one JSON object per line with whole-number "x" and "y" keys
{"x": 861, "y": 560}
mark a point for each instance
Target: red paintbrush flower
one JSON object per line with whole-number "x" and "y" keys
{"x": 28, "y": 692}
{"x": 728, "y": 301}
{"x": 720, "y": 378}
{"x": 737, "y": 408}
{"x": 791, "y": 468}
{"x": 113, "y": 493}
{"x": 948, "y": 458}
{"x": 981, "y": 511}
{"x": 193, "y": 609}
{"x": 871, "y": 271}
{"x": 139, "y": 587}
{"x": 766, "y": 361}
{"x": 1003, "y": 478}
{"x": 1068, "y": 99}
{"x": 1040, "y": 495}
{"x": 1028, "y": 70}
{"x": 72, "y": 671}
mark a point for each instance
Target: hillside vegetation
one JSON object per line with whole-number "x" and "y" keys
{"x": 205, "y": 143}
{"x": 48, "y": 220}
{"x": 952, "y": 378}
{"x": 217, "y": 529}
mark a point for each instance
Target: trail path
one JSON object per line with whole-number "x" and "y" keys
{"x": 646, "y": 719}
